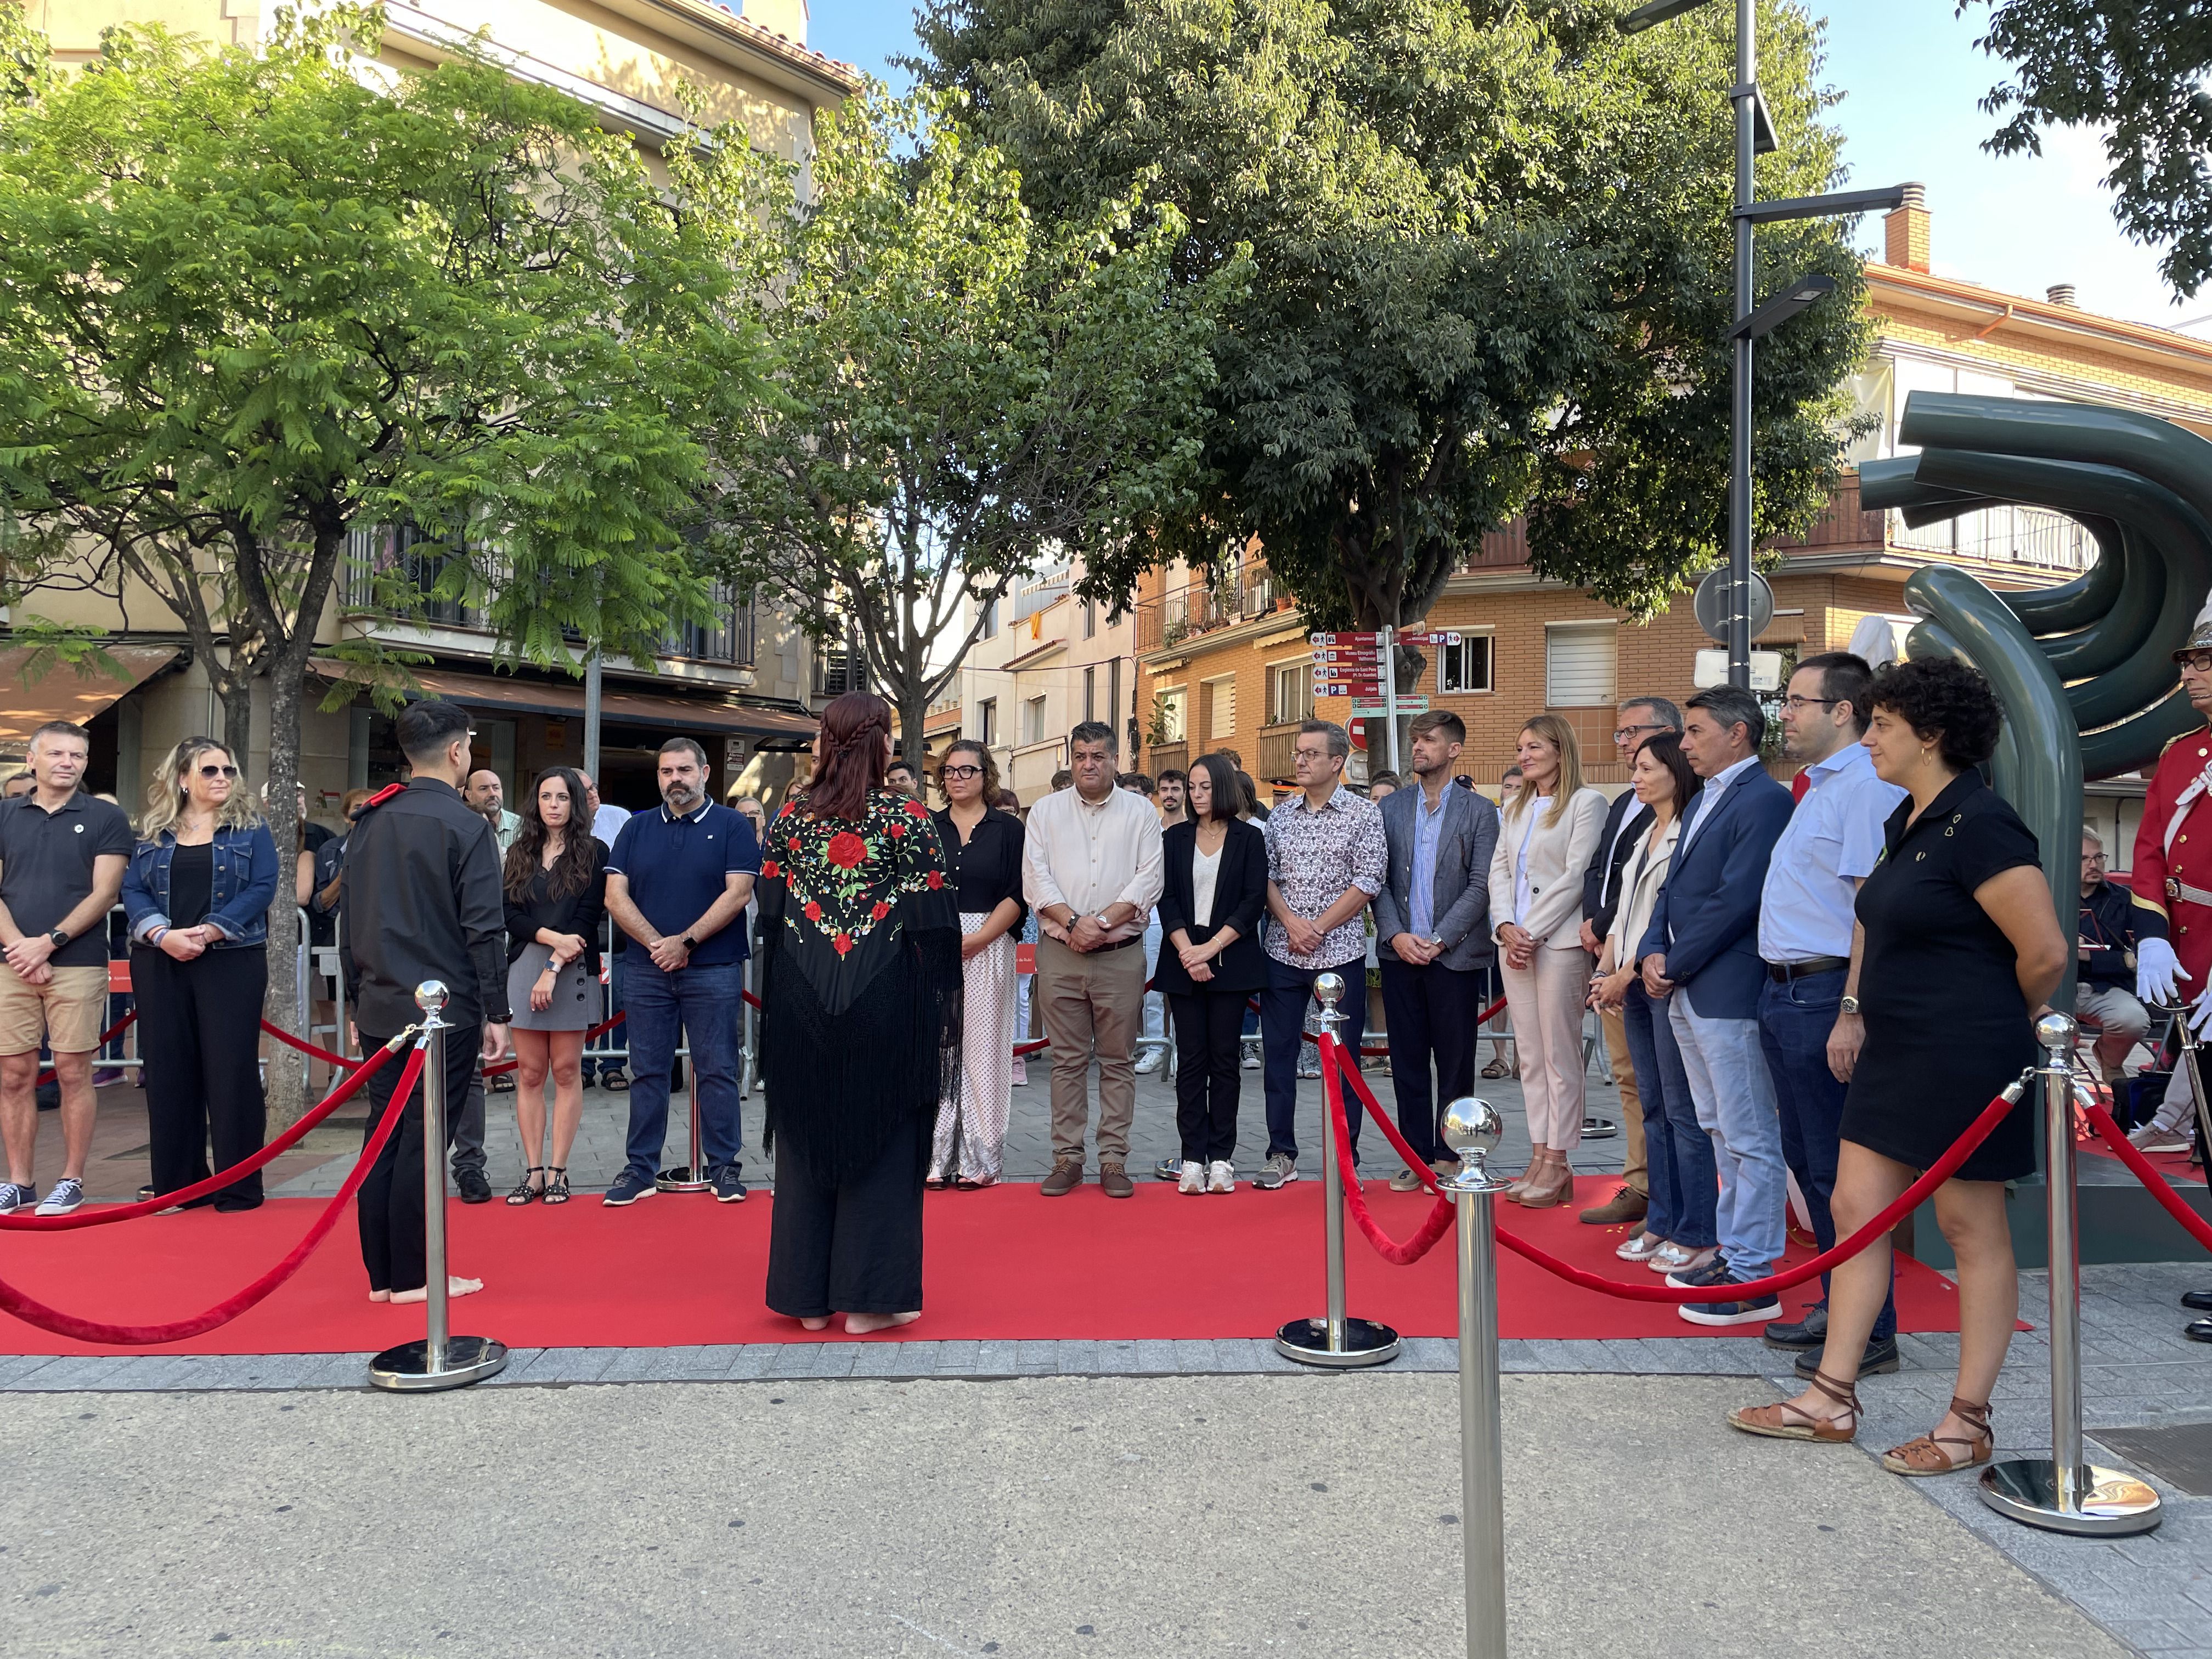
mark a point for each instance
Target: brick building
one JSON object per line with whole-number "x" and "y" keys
{"x": 1223, "y": 663}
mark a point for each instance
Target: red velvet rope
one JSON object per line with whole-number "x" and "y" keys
{"x": 306, "y": 1047}
{"x": 104, "y": 1215}
{"x": 31, "y": 1312}
{"x": 1439, "y": 1220}
{"x": 2147, "y": 1172}
{"x": 106, "y": 1037}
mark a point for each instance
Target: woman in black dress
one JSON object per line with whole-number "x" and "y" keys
{"x": 860, "y": 1031}
{"x": 1956, "y": 951}
{"x": 1216, "y": 869}
{"x": 984, "y": 848}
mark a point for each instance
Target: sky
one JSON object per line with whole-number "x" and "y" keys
{"x": 1912, "y": 79}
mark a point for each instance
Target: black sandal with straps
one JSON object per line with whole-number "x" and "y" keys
{"x": 556, "y": 1188}
{"x": 524, "y": 1192}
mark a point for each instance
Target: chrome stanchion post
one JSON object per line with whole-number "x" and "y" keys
{"x": 690, "y": 1177}
{"x": 1472, "y": 1128}
{"x": 440, "y": 1360}
{"x": 2061, "y": 1493}
{"x": 1336, "y": 1339}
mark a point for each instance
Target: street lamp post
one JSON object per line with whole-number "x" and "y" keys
{"x": 1755, "y": 134}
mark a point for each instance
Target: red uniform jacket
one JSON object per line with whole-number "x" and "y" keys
{"x": 2166, "y": 865}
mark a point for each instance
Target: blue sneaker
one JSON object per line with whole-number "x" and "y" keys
{"x": 13, "y": 1198}
{"x": 1715, "y": 1271}
{"x": 65, "y": 1195}
{"x": 630, "y": 1187}
{"x": 728, "y": 1189}
{"x": 1750, "y": 1311}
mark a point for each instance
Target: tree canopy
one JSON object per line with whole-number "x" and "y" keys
{"x": 964, "y": 392}
{"x": 1492, "y": 250}
{"x": 2138, "y": 70}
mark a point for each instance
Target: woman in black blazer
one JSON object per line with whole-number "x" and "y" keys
{"x": 1217, "y": 886}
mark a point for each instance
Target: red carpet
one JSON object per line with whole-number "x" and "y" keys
{"x": 2174, "y": 1166}
{"x": 1001, "y": 1263}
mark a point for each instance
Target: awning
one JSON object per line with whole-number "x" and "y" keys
{"x": 618, "y": 707}
{"x": 61, "y": 693}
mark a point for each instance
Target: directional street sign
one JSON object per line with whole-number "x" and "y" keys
{"x": 1341, "y": 639}
{"x": 1362, "y": 709}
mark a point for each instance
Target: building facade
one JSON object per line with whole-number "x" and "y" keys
{"x": 745, "y": 685}
{"x": 1224, "y": 665}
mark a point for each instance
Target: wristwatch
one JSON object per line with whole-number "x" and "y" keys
{"x": 689, "y": 943}
{"x": 1850, "y": 1005}
{"x": 59, "y": 937}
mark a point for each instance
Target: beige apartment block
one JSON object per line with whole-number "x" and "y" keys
{"x": 745, "y": 685}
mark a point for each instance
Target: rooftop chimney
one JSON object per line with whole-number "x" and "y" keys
{"x": 2062, "y": 294}
{"x": 1904, "y": 233}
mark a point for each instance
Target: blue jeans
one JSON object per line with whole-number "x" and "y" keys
{"x": 1678, "y": 1153}
{"x": 703, "y": 1001}
{"x": 1282, "y": 1034}
{"x": 1794, "y": 1022}
{"x": 1734, "y": 1094}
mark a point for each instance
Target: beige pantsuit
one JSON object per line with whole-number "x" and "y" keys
{"x": 1094, "y": 1006}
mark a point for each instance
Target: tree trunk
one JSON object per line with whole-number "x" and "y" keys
{"x": 286, "y": 1067}
{"x": 913, "y": 743}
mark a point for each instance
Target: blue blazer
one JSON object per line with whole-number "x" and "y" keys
{"x": 1711, "y": 898}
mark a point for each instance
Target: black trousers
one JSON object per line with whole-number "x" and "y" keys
{"x": 855, "y": 1247}
{"x": 1209, "y": 1027}
{"x": 201, "y": 1021}
{"x": 390, "y": 1203}
{"x": 1429, "y": 1013}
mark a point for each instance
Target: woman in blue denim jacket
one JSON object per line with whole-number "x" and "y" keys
{"x": 197, "y": 895}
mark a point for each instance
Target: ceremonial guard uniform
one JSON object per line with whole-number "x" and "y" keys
{"x": 2173, "y": 876}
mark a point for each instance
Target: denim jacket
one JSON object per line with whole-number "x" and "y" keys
{"x": 245, "y": 886}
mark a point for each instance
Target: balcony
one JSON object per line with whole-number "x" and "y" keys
{"x": 1237, "y": 596}
{"x": 1167, "y": 756}
{"x": 1276, "y": 762}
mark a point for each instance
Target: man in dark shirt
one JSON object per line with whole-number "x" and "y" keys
{"x": 421, "y": 901}
{"x": 2104, "y": 943}
{"x": 63, "y": 854}
{"x": 676, "y": 880}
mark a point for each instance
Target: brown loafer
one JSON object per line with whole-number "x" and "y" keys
{"x": 1067, "y": 1175}
{"x": 1114, "y": 1180}
{"x": 1624, "y": 1206}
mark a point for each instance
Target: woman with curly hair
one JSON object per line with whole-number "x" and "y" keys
{"x": 1956, "y": 949}
{"x": 197, "y": 895}
{"x": 861, "y": 1027}
{"x": 557, "y": 884}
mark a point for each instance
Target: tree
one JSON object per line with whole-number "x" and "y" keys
{"x": 258, "y": 300}
{"x": 2137, "y": 70}
{"x": 964, "y": 392}
{"x": 1492, "y": 252}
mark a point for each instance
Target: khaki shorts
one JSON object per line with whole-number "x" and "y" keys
{"x": 67, "y": 1011}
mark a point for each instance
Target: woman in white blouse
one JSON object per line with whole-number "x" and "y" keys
{"x": 1549, "y": 832}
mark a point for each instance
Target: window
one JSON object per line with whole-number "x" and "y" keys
{"x": 986, "y": 719}
{"x": 1114, "y": 710}
{"x": 1221, "y": 709}
{"x": 1290, "y": 692}
{"x": 1174, "y": 710}
{"x": 1464, "y": 667}
{"x": 1090, "y": 618}
{"x": 1033, "y": 720}
{"x": 991, "y": 620}
{"x": 1578, "y": 665}
{"x": 1091, "y": 694}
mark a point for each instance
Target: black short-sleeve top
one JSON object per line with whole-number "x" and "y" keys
{"x": 1927, "y": 940}
{"x": 987, "y": 869}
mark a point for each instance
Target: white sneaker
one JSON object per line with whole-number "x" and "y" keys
{"x": 1021, "y": 1074}
{"x": 2152, "y": 1138}
{"x": 1640, "y": 1247}
{"x": 1194, "y": 1177}
{"x": 1219, "y": 1177}
{"x": 1151, "y": 1062}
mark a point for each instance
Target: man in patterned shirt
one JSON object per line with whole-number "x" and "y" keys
{"x": 1326, "y": 856}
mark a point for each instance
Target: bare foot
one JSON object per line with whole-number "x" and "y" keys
{"x": 859, "y": 1324}
{"x": 821, "y": 1324}
{"x": 380, "y": 1296}
{"x": 455, "y": 1285}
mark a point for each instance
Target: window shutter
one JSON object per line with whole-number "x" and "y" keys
{"x": 1578, "y": 665}
{"x": 1222, "y": 723}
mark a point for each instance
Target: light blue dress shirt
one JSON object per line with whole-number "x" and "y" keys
{"x": 1830, "y": 844}
{"x": 1709, "y": 802}
{"x": 1428, "y": 841}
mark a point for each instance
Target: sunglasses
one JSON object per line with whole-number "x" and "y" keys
{"x": 218, "y": 771}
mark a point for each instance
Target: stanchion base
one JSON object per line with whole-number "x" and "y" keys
{"x": 2113, "y": 1504}
{"x": 1600, "y": 1128}
{"x": 406, "y": 1369}
{"x": 1365, "y": 1343}
{"x": 680, "y": 1179}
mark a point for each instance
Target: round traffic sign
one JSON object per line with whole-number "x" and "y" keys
{"x": 1712, "y": 605}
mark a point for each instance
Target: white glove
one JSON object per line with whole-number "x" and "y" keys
{"x": 2157, "y": 969}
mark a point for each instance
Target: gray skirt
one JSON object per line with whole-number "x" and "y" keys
{"x": 576, "y": 1000}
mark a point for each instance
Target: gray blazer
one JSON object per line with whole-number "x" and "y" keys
{"x": 1462, "y": 877}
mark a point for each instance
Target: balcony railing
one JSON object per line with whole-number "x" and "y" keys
{"x": 1237, "y": 596}
{"x": 1168, "y": 756}
{"x": 396, "y": 570}
{"x": 1276, "y": 762}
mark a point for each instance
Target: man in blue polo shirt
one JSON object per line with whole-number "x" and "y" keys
{"x": 676, "y": 880}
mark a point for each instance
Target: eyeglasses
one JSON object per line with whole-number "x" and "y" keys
{"x": 2092, "y": 857}
{"x": 2199, "y": 660}
{"x": 1628, "y": 733}
{"x": 1795, "y": 704}
{"x": 964, "y": 772}
{"x": 218, "y": 771}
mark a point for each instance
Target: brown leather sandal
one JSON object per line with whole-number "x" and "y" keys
{"x": 1790, "y": 1421}
{"x": 1925, "y": 1456}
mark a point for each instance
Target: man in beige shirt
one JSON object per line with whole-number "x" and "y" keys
{"x": 1091, "y": 871}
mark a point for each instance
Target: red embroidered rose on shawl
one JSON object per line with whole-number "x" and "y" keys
{"x": 845, "y": 850}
